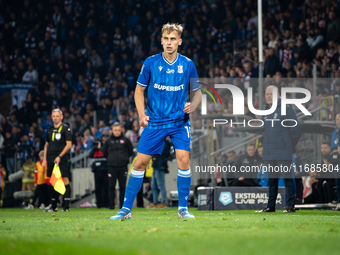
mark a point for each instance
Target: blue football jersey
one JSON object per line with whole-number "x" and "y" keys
{"x": 167, "y": 89}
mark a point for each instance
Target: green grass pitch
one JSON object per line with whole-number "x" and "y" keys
{"x": 89, "y": 231}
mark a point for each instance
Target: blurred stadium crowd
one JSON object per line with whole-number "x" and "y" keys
{"x": 85, "y": 56}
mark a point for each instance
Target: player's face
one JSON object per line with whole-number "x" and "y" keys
{"x": 170, "y": 42}
{"x": 117, "y": 131}
{"x": 57, "y": 117}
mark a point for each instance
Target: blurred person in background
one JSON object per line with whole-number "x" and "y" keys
{"x": 246, "y": 160}
{"x": 99, "y": 168}
{"x": 160, "y": 168}
{"x": 117, "y": 150}
{"x": 41, "y": 182}
{"x": 279, "y": 144}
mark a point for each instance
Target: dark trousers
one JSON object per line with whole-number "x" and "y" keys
{"x": 102, "y": 188}
{"x": 41, "y": 193}
{"x": 274, "y": 181}
{"x": 140, "y": 201}
{"x": 337, "y": 184}
{"x": 299, "y": 188}
{"x": 314, "y": 197}
{"x": 325, "y": 190}
{"x": 114, "y": 174}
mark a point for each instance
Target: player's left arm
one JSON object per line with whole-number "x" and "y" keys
{"x": 191, "y": 106}
{"x": 194, "y": 84}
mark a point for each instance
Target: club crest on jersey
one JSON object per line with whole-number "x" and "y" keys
{"x": 180, "y": 69}
{"x": 57, "y": 136}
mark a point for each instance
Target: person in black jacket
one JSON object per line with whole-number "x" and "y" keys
{"x": 278, "y": 147}
{"x": 246, "y": 161}
{"x": 9, "y": 147}
{"x": 117, "y": 150}
{"x": 272, "y": 64}
{"x": 99, "y": 168}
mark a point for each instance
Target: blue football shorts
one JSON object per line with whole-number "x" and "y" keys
{"x": 152, "y": 140}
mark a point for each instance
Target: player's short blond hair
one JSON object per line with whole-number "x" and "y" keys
{"x": 170, "y": 27}
{"x": 41, "y": 153}
{"x": 57, "y": 110}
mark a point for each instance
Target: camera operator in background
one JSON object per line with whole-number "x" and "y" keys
{"x": 99, "y": 168}
{"x": 117, "y": 150}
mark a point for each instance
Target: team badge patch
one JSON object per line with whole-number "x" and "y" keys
{"x": 180, "y": 69}
{"x": 121, "y": 141}
{"x": 57, "y": 136}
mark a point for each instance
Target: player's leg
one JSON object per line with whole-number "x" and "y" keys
{"x": 65, "y": 172}
{"x": 135, "y": 179}
{"x": 134, "y": 184}
{"x": 183, "y": 182}
{"x": 180, "y": 137}
{"x": 150, "y": 143}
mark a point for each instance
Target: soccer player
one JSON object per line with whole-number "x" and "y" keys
{"x": 167, "y": 78}
{"x": 58, "y": 143}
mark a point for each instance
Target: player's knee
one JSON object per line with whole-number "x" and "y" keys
{"x": 184, "y": 162}
{"x": 140, "y": 165}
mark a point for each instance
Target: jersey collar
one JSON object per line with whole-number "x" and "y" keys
{"x": 166, "y": 61}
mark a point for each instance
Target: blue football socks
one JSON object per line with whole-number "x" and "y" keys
{"x": 183, "y": 186}
{"x": 133, "y": 186}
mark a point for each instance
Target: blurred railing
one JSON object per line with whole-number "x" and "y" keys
{"x": 81, "y": 160}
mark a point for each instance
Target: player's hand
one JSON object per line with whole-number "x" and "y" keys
{"x": 241, "y": 178}
{"x": 44, "y": 163}
{"x": 188, "y": 108}
{"x": 35, "y": 185}
{"x": 339, "y": 150}
{"x": 57, "y": 160}
{"x": 144, "y": 121}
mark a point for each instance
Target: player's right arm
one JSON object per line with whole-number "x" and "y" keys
{"x": 142, "y": 83}
{"x": 44, "y": 163}
{"x": 139, "y": 101}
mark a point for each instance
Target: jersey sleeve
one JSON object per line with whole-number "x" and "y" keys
{"x": 193, "y": 76}
{"x": 144, "y": 75}
{"x": 68, "y": 134}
